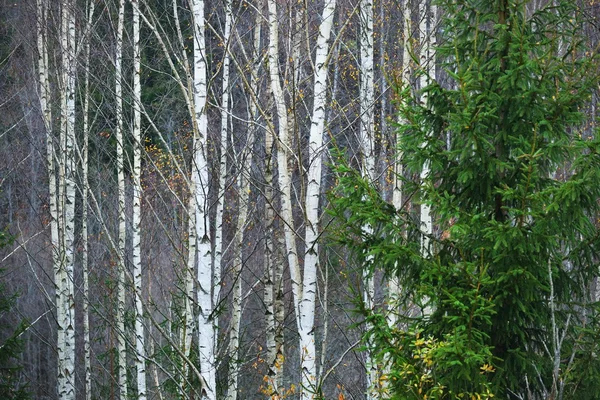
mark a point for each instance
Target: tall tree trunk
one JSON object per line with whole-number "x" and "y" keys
{"x": 45, "y": 95}
{"x": 206, "y": 330}
{"x": 283, "y": 148}
{"x": 236, "y": 306}
{"x": 223, "y": 155}
{"x": 84, "y": 208}
{"x": 274, "y": 348}
{"x": 367, "y": 138}
{"x": 140, "y": 353}
{"x": 306, "y": 320}
{"x": 121, "y": 256}
{"x": 427, "y": 66}
{"x": 67, "y": 200}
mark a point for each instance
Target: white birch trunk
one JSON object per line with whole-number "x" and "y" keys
{"x": 45, "y": 93}
{"x": 367, "y": 138}
{"x": 190, "y": 294}
{"x": 206, "y": 330}
{"x": 282, "y": 141}
{"x": 269, "y": 281}
{"x": 223, "y": 155}
{"x": 306, "y": 321}
{"x": 67, "y": 201}
{"x": 84, "y": 210}
{"x": 428, "y": 66}
{"x": 274, "y": 347}
{"x": 273, "y": 295}
{"x": 140, "y": 351}
{"x": 236, "y": 306}
{"x": 121, "y": 256}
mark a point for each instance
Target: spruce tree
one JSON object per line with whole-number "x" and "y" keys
{"x": 513, "y": 187}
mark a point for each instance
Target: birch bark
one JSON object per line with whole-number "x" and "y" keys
{"x": 140, "y": 353}
{"x": 273, "y": 269}
{"x": 84, "y": 208}
{"x": 121, "y": 256}
{"x": 367, "y": 138}
{"x": 236, "y": 306}
{"x": 67, "y": 200}
{"x": 282, "y": 143}
{"x": 223, "y": 155}
{"x": 45, "y": 93}
{"x": 306, "y": 320}
{"x": 427, "y": 38}
{"x": 206, "y": 329}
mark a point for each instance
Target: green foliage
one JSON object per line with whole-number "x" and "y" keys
{"x": 513, "y": 187}
{"x": 11, "y": 344}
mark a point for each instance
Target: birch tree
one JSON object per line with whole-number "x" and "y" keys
{"x": 206, "y": 329}
{"x": 273, "y": 267}
{"x": 367, "y": 144}
{"x": 140, "y": 351}
{"x": 427, "y": 74}
{"x": 121, "y": 256}
{"x": 243, "y": 190}
{"x": 66, "y": 204}
{"x": 223, "y": 152}
{"x": 84, "y": 205}
{"x": 307, "y": 303}
{"x": 47, "y": 117}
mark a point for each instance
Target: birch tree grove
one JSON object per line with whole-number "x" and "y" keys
{"x": 298, "y": 200}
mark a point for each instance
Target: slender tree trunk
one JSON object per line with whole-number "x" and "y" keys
{"x": 427, "y": 39}
{"x": 274, "y": 350}
{"x": 121, "y": 256}
{"x": 223, "y": 156}
{"x": 282, "y": 141}
{"x": 84, "y": 209}
{"x": 234, "y": 328}
{"x": 140, "y": 353}
{"x": 66, "y": 213}
{"x": 206, "y": 330}
{"x": 306, "y": 325}
{"x": 367, "y": 138}
{"x": 236, "y": 306}
{"x": 45, "y": 95}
